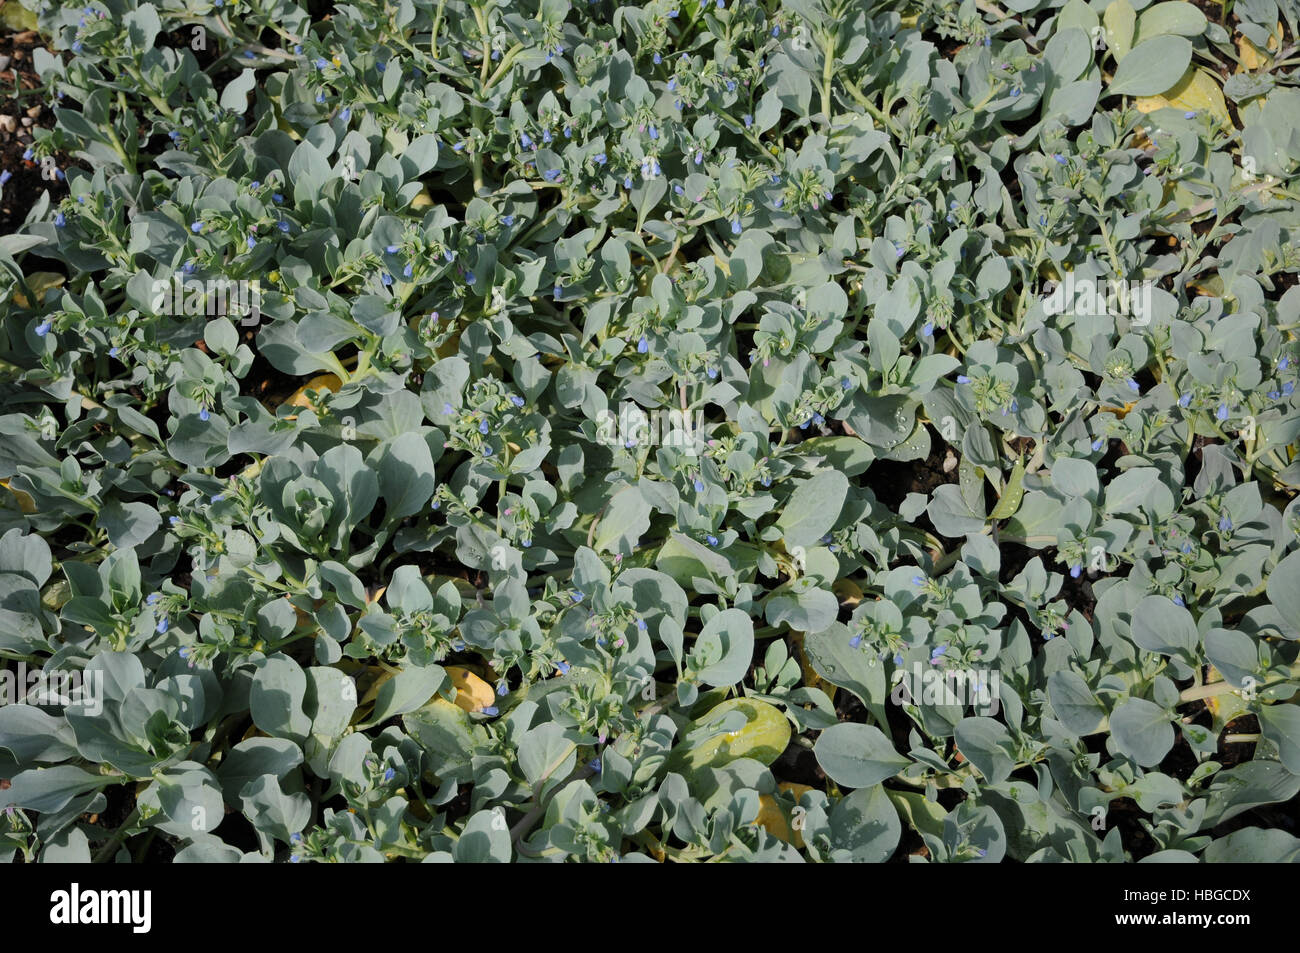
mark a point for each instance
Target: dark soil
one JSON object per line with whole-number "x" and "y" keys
{"x": 19, "y": 116}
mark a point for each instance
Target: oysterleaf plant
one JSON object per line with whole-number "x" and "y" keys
{"x": 460, "y": 430}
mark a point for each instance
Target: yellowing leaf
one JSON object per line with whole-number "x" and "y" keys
{"x": 472, "y": 693}
{"x": 318, "y": 383}
{"x": 810, "y": 676}
{"x": 40, "y": 282}
{"x": 1012, "y": 494}
{"x": 1251, "y": 56}
{"x": 422, "y": 199}
{"x": 771, "y": 817}
{"x": 1197, "y": 91}
{"x": 25, "y": 501}
{"x": 763, "y": 737}
{"x": 1120, "y": 412}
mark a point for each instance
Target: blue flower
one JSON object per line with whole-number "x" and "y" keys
{"x": 483, "y": 427}
{"x": 386, "y": 279}
{"x": 855, "y": 641}
{"x": 29, "y": 155}
{"x": 1015, "y": 93}
{"x": 1076, "y": 571}
{"x": 320, "y": 97}
{"x": 1284, "y": 363}
{"x": 448, "y": 254}
{"x": 381, "y": 67}
{"x": 963, "y": 379}
{"x": 722, "y": 4}
{"x": 161, "y": 627}
{"x": 577, "y": 595}
{"x": 595, "y": 762}
{"x": 654, "y": 132}
{"x": 941, "y": 650}
{"x": 282, "y": 226}
{"x": 748, "y": 120}
{"x": 699, "y": 485}
{"x": 846, "y": 384}
{"x": 277, "y": 198}
{"x": 5, "y": 176}
{"x": 252, "y": 242}
{"x": 712, "y": 372}
{"x": 546, "y": 135}
{"x": 898, "y": 659}
{"x": 408, "y": 270}
{"x": 249, "y": 54}
{"x": 470, "y": 278}
{"x": 526, "y": 543}
{"x": 507, "y": 220}
{"x": 1186, "y": 548}
{"x": 196, "y": 227}
{"x": 491, "y": 711}
{"x": 600, "y": 158}
{"x": 1222, "y": 412}
{"x": 776, "y": 31}
{"x": 1184, "y": 400}
{"x": 517, "y": 400}
{"x": 346, "y": 114}
{"x": 447, "y": 408}
{"x": 60, "y": 220}
{"x": 321, "y": 63}
{"x": 928, "y": 330}
{"x": 204, "y": 414}
{"x": 487, "y": 451}
{"x": 1178, "y": 601}
{"x": 672, "y": 84}
{"x": 389, "y": 775}
{"x": 112, "y": 352}
{"x": 627, "y": 182}
{"x": 1098, "y": 444}
{"x": 551, "y": 175}
{"x": 502, "y": 688}
{"x": 526, "y": 141}
{"x": 1225, "y": 524}
{"x": 711, "y": 539}
{"x": 76, "y": 46}
{"x": 43, "y": 328}
{"x": 1134, "y": 386}
{"x": 1190, "y": 114}
{"x": 640, "y": 624}
{"x": 563, "y": 666}
{"x": 295, "y": 838}
{"x": 699, "y": 156}
{"x": 557, "y": 291}
{"x": 735, "y": 227}
{"x": 1288, "y": 388}
{"x": 1060, "y": 159}
{"x": 643, "y": 345}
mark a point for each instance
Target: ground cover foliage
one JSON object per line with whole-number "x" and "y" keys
{"x": 826, "y": 430}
